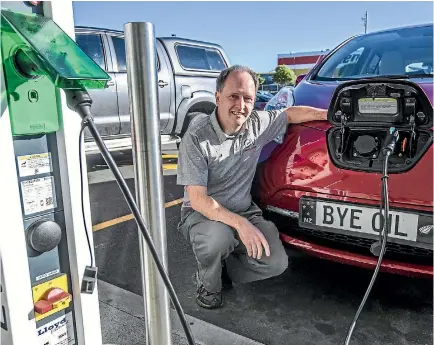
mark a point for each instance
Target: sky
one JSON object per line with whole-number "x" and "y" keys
{"x": 253, "y": 33}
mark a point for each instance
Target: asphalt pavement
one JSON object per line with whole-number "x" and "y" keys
{"x": 123, "y": 322}
{"x": 313, "y": 302}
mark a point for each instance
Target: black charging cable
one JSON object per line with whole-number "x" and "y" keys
{"x": 388, "y": 149}
{"x": 80, "y": 102}
{"x": 80, "y": 150}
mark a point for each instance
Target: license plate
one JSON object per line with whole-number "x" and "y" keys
{"x": 378, "y": 106}
{"x": 364, "y": 221}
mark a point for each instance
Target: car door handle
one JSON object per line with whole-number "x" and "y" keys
{"x": 110, "y": 83}
{"x": 162, "y": 83}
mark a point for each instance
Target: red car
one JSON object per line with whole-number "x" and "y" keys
{"x": 321, "y": 184}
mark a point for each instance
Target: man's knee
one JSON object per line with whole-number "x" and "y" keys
{"x": 277, "y": 262}
{"x": 212, "y": 240}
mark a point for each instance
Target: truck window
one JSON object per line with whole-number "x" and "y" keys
{"x": 119, "y": 44}
{"x": 92, "y": 45}
{"x": 200, "y": 58}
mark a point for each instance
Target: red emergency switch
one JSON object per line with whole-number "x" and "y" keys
{"x": 42, "y": 307}
{"x": 52, "y": 299}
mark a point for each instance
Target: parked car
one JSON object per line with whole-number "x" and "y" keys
{"x": 281, "y": 99}
{"x": 304, "y": 170}
{"x": 187, "y": 73}
{"x": 261, "y": 100}
{"x": 271, "y": 88}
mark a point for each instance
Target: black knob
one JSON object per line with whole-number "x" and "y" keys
{"x": 44, "y": 235}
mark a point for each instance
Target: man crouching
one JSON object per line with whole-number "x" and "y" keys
{"x": 217, "y": 161}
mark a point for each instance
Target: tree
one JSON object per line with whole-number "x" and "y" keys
{"x": 260, "y": 78}
{"x": 284, "y": 75}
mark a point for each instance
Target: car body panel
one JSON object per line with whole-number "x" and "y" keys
{"x": 309, "y": 168}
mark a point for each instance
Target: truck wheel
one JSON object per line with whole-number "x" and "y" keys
{"x": 187, "y": 121}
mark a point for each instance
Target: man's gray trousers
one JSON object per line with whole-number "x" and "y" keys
{"x": 212, "y": 242}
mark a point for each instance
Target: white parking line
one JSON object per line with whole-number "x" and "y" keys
{"x": 105, "y": 175}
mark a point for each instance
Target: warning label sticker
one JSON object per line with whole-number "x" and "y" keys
{"x": 48, "y": 274}
{"x": 57, "y": 332}
{"x": 34, "y": 164}
{"x": 38, "y": 195}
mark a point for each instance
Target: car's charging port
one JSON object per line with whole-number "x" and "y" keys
{"x": 362, "y": 113}
{"x": 359, "y": 148}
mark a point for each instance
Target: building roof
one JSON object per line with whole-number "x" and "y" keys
{"x": 299, "y": 54}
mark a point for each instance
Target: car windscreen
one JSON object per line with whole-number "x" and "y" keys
{"x": 405, "y": 51}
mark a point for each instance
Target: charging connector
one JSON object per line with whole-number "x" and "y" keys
{"x": 379, "y": 248}
{"x": 390, "y": 141}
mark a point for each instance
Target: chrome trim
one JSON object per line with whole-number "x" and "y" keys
{"x": 283, "y": 212}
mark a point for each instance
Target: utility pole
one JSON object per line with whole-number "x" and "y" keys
{"x": 365, "y": 21}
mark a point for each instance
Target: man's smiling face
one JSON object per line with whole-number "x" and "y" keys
{"x": 235, "y": 101}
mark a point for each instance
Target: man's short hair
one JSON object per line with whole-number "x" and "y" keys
{"x": 235, "y": 68}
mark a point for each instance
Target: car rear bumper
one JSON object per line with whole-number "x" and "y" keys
{"x": 344, "y": 257}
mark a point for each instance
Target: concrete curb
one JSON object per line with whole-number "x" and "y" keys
{"x": 204, "y": 332}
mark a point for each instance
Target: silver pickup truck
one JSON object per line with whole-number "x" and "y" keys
{"x": 187, "y": 72}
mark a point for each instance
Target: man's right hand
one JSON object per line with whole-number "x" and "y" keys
{"x": 252, "y": 238}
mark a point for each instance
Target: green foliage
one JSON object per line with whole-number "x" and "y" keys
{"x": 284, "y": 75}
{"x": 260, "y": 79}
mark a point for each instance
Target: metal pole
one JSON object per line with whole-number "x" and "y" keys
{"x": 365, "y": 21}
{"x": 366, "y": 24}
{"x": 143, "y": 96}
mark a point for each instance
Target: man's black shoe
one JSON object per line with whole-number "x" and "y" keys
{"x": 206, "y": 299}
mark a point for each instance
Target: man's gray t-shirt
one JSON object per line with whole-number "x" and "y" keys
{"x": 226, "y": 164}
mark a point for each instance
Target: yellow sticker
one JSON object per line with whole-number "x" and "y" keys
{"x": 36, "y": 164}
